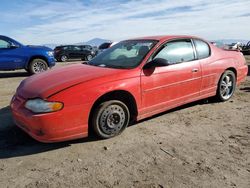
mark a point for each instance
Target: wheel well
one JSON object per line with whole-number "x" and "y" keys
{"x": 234, "y": 70}
{"x": 36, "y": 57}
{"x": 121, "y": 95}
{"x": 231, "y": 69}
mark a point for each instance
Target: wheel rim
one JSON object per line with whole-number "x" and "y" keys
{"x": 64, "y": 58}
{"x": 39, "y": 66}
{"x": 112, "y": 119}
{"x": 89, "y": 57}
{"x": 227, "y": 87}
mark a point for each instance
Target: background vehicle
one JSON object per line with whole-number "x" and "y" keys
{"x": 104, "y": 46}
{"x": 132, "y": 80}
{"x": 220, "y": 44}
{"x": 90, "y": 48}
{"x": 67, "y": 52}
{"x": 34, "y": 59}
{"x": 246, "y": 49}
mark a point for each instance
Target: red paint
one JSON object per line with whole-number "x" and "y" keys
{"x": 79, "y": 86}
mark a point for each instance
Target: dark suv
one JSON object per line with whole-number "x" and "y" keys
{"x": 64, "y": 53}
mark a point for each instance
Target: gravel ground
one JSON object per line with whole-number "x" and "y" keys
{"x": 203, "y": 144}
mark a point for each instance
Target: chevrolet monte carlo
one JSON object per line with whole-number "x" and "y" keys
{"x": 130, "y": 81}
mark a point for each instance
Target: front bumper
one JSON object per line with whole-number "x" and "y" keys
{"x": 67, "y": 124}
{"x": 51, "y": 61}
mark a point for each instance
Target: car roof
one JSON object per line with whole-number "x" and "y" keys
{"x": 4, "y": 37}
{"x": 165, "y": 37}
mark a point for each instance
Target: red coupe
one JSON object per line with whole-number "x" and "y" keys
{"x": 130, "y": 81}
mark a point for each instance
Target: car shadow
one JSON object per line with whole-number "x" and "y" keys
{"x": 13, "y": 74}
{"x": 14, "y": 142}
{"x": 189, "y": 105}
{"x": 246, "y": 89}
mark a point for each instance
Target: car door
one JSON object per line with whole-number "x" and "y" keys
{"x": 9, "y": 59}
{"x": 84, "y": 51}
{"x": 172, "y": 85}
{"x": 71, "y": 52}
{"x": 77, "y": 52}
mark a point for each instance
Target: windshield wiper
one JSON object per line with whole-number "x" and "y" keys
{"x": 115, "y": 66}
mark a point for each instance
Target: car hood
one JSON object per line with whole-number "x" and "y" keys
{"x": 39, "y": 47}
{"x": 53, "y": 81}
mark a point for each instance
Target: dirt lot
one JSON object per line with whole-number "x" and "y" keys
{"x": 204, "y": 144}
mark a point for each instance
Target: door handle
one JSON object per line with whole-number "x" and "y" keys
{"x": 195, "y": 70}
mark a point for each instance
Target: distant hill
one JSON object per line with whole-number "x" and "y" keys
{"x": 96, "y": 41}
{"x": 52, "y": 46}
{"x": 93, "y": 42}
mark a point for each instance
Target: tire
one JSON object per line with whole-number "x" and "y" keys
{"x": 89, "y": 57}
{"x": 226, "y": 86}
{"x": 110, "y": 118}
{"x": 37, "y": 66}
{"x": 63, "y": 58}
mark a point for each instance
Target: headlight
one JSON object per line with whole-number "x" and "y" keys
{"x": 50, "y": 53}
{"x": 41, "y": 106}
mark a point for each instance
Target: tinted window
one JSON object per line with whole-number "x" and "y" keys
{"x": 202, "y": 48}
{"x": 86, "y": 47}
{"x": 76, "y": 48}
{"x": 177, "y": 51}
{"x": 4, "y": 44}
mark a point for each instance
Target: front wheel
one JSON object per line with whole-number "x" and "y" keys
{"x": 110, "y": 118}
{"x": 37, "y": 66}
{"x": 226, "y": 86}
{"x": 89, "y": 57}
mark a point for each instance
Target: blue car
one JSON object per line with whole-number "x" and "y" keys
{"x": 34, "y": 59}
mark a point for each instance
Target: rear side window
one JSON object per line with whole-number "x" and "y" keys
{"x": 177, "y": 52}
{"x": 202, "y": 48}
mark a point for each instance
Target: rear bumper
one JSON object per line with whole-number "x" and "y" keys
{"x": 242, "y": 74}
{"x": 49, "y": 127}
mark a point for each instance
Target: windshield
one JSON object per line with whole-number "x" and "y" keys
{"x": 126, "y": 54}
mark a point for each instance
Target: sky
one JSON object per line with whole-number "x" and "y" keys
{"x": 72, "y": 21}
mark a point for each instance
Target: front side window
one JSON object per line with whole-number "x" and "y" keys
{"x": 177, "y": 52}
{"x": 4, "y": 44}
{"x": 126, "y": 54}
{"x": 202, "y": 48}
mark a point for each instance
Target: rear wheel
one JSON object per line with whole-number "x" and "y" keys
{"x": 37, "y": 66}
{"x": 110, "y": 118}
{"x": 226, "y": 86}
{"x": 64, "y": 58}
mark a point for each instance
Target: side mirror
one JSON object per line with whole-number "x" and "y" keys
{"x": 157, "y": 62}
